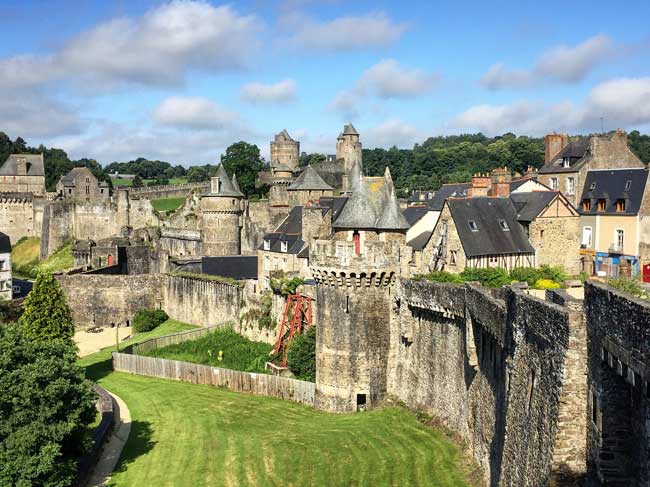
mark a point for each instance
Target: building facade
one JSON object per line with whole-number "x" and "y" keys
{"x": 80, "y": 184}
{"x": 23, "y": 173}
{"x": 6, "y": 288}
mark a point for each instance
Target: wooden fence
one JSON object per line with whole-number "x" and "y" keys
{"x": 183, "y": 336}
{"x": 260, "y": 384}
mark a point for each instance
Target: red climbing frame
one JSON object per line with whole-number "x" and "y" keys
{"x": 300, "y": 318}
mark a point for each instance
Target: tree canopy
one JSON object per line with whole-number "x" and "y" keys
{"x": 244, "y": 160}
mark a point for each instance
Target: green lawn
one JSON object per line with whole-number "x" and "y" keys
{"x": 239, "y": 353}
{"x": 193, "y": 435}
{"x": 25, "y": 254}
{"x": 127, "y": 182}
{"x": 167, "y": 204}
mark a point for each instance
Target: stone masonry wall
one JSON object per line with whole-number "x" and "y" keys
{"x": 557, "y": 242}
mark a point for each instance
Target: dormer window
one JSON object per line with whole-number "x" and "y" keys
{"x": 628, "y": 185}
{"x": 504, "y": 225}
{"x": 566, "y": 162}
{"x": 620, "y": 205}
{"x": 283, "y": 246}
{"x": 267, "y": 244}
{"x": 586, "y": 205}
{"x": 602, "y": 204}
{"x": 592, "y": 187}
{"x": 473, "y": 226}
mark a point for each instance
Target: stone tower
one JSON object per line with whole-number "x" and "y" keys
{"x": 285, "y": 151}
{"x": 355, "y": 273}
{"x": 221, "y": 210}
{"x": 348, "y": 148}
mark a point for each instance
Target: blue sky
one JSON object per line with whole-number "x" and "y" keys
{"x": 182, "y": 80}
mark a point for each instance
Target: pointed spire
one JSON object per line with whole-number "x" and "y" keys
{"x": 391, "y": 217}
{"x": 235, "y": 184}
{"x": 221, "y": 185}
{"x": 349, "y": 129}
{"x": 309, "y": 179}
{"x": 355, "y": 176}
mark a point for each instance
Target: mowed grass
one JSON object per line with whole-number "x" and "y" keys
{"x": 127, "y": 182}
{"x": 239, "y": 353}
{"x": 193, "y": 435}
{"x": 167, "y": 204}
{"x": 25, "y": 254}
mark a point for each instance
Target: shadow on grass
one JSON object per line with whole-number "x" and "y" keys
{"x": 138, "y": 444}
{"x": 100, "y": 369}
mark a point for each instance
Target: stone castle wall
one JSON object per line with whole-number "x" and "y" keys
{"x": 169, "y": 191}
{"x": 21, "y": 215}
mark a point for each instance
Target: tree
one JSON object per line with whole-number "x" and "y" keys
{"x": 197, "y": 174}
{"x": 47, "y": 315}
{"x": 243, "y": 159}
{"x": 137, "y": 182}
{"x": 46, "y": 405}
{"x": 301, "y": 359}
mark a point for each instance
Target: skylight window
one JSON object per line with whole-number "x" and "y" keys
{"x": 472, "y": 226}
{"x": 628, "y": 184}
{"x": 593, "y": 186}
{"x": 504, "y": 225}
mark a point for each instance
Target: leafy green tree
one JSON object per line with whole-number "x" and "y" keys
{"x": 244, "y": 160}
{"x": 197, "y": 174}
{"x": 46, "y": 405}
{"x": 47, "y": 315}
{"x": 148, "y": 319}
{"x": 301, "y": 358}
{"x": 137, "y": 182}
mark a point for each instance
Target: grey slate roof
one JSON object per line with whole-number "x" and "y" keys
{"x": 227, "y": 188}
{"x": 285, "y": 134}
{"x": 233, "y": 266}
{"x": 349, "y": 129}
{"x": 414, "y": 213}
{"x": 309, "y": 179}
{"x": 235, "y": 184}
{"x": 609, "y": 184}
{"x": 420, "y": 241}
{"x": 530, "y": 205}
{"x": 575, "y": 151}
{"x": 5, "y": 244}
{"x": 71, "y": 176}
{"x": 290, "y": 231}
{"x": 458, "y": 190}
{"x": 490, "y": 239}
{"x": 10, "y": 166}
{"x": 332, "y": 203}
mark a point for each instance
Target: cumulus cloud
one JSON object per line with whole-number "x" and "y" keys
{"x": 561, "y": 63}
{"x": 372, "y": 30}
{"x": 193, "y": 112}
{"x": 281, "y": 91}
{"x": 29, "y": 115}
{"x": 386, "y": 79}
{"x": 622, "y": 102}
{"x": 391, "y": 133}
{"x": 158, "y": 48}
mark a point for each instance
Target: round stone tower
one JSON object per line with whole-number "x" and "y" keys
{"x": 221, "y": 211}
{"x": 285, "y": 151}
{"x": 355, "y": 273}
{"x": 348, "y": 148}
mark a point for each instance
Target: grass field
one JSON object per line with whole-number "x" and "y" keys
{"x": 167, "y": 204}
{"x": 239, "y": 353}
{"x": 127, "y": 182}
{"x": 192, "y": 435}
{"x": 25, "y": 263}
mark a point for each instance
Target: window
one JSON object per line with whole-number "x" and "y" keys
{"x": 267, "y": 244}
{"x": 586, "y": 237}
{"x": 284, "y": 246}
{"x": 570, "y": 186}
{"x": 356, "y": 238}
{"x": 586, "y": 205}
{"x": 620, "y": 205}
{"x": 267, "y": 263}
{"x": 472, "y": 226}
{"x": 541, "y": 233}
{"x": 494, "y": 259}
{"x": 284, "y": 264}
{"x": 2, "y": 265}
{"x": 87, "y": 189}
{"x": 452, "y": 257}
{"x": 593, "y": 186}
{"x": 503, "y": 225}
{"x": 566, "y": 162}
{"x": 628, "y": 184}
{"x": 602, "y": 204}
{"x": 87, "y": 180}
{"x": 275, "y": 263}
{"x": 620, "y": 238}
{"x": 554, "y": 183}
{"x": 594, "y": 408}
{"x": 70, "y": 191}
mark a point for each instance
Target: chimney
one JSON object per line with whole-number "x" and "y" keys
{"x": 501, "y": 182}
{"x": 215, "y": 185}
{"x": 553, "y": 144}
{"x": 531, "y": 172}
{"x": 480, "y": 185}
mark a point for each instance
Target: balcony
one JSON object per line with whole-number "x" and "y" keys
{"x": 616, "y": 248}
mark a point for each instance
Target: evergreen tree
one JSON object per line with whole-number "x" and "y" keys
{"x": 47, "y": 315}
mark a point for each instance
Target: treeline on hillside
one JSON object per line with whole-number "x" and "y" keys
{"x": 147, "y": 169}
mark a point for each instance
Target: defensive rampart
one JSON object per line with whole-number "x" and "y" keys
{"x": 169, "y": 191}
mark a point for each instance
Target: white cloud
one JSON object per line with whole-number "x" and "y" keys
{"x": 371, "y": 30}
{"x": 158, "y": 48}
{"x": 193, "y": 112}
{"x": 623, "y": 103}
{"x": 346, "y": 103}
{"x": 561, "y": 63}
{"x": 391, "y": 133}
{"x": 281, "y": 91}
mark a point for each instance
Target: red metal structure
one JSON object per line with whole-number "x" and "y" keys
{"x": 646, "y": 272}
{"x": 297, "y": 309}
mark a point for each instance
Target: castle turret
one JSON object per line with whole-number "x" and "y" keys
{"x": 355, "y": 272}
{"x": 285, "y": 151}
{"x": 221, "y": 212}
{"x": 348, "y": 148}
{"x": 309, "y": 186}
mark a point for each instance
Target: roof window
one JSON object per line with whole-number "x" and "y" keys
{"x": 472, "y": 226}
{"x": 628, "y": 184}
{"x": 602, "y": 204}
{"x": 503, "y": 225}
{"x": 586, "y": 205}
{"x": 593, "y": 186}
{"x": 566, "y": 162}
{"x": 283, "y": 246}
{"x": 620, "y": 205}
{"x": 267, "y": 244}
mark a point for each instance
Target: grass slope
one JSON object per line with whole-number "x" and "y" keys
{"x": 167, "y": 204}
{"x": 184, "y": 434}
{"x": 24, "y": 258}
{"x": 25, "y": 253}
{"x": 239, "y": 353}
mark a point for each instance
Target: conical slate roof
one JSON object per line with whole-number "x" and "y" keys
{"x": 235, "y": 184}
{"x": 286, "y": 135}
{"x": 309, "y": 180}
{"x": 226, "y": 187}
{"x": 349, "y": 129}
{"x": 391, "y": 217}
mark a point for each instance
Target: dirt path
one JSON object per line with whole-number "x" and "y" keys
{"x": 113, "y": 448}
{"x": 93, "y": 342}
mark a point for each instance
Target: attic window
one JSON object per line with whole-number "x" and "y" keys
{"x": 586, "y": 205}
{"x": 472, "y": 226}
{"x": 628, "y": 184}
{"x": 267, "y": 244}
{"x": 602, "y": 204}
{"x": 620, "y": 205}
{"x": 593, "y": 186}
{"x": 566, "y": 162}
{"x": 283, "y": 246}
{"x": 504, "y": 225}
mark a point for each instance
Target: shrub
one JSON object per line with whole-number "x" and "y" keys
{"x": 629, "y": 286}
{"x": 301, "y": 358}
{"x": 148, "y": 319}
{"x": 489, "y": 277}
{"x": 555, "y": 274}
{"x": 546, "y": 284}
{"x": 285, "y": 286}
{"x": 529, "y": 275}
{"x": 440, "y": 276}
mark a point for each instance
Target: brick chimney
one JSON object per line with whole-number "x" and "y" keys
{"x": 553, "y": 144}
{"x": 481, "y": 184}
{"x": 531, "y": 172}
{"x": 501, "y": 182}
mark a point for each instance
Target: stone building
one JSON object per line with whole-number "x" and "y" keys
{"x": 348, "y": 150}
{"x": 285, "y": 152}
{"x": 221, "y": 210}
{"x": 568, "y": 161}
{"x": 81, "y": 184}
{"x": 308, "y": 186}
{"x": 6, "y": 287}
{"x": 23, "y": 173}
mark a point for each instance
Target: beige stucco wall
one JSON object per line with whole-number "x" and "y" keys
{"x": 5, "y": 277}
{"x": 606, "y": 226}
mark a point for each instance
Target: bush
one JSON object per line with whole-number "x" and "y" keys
{"x": 529, "y": 275}
{"x": 440, "y": 276}
{"x": 284, "y": 286}
{"x": 301, "y": 358}
{"x": 488, "y": 277}
{"x": 629, "y": 286}
{"x": 148, "y": 319}
{"x": 546, "y": 284}
{"x": 555, "y": 274}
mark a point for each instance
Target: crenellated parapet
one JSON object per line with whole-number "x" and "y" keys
{"x": 367, "y": 279}
{"x": 368, "y": 262}
{"x": 16, "y": 198}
